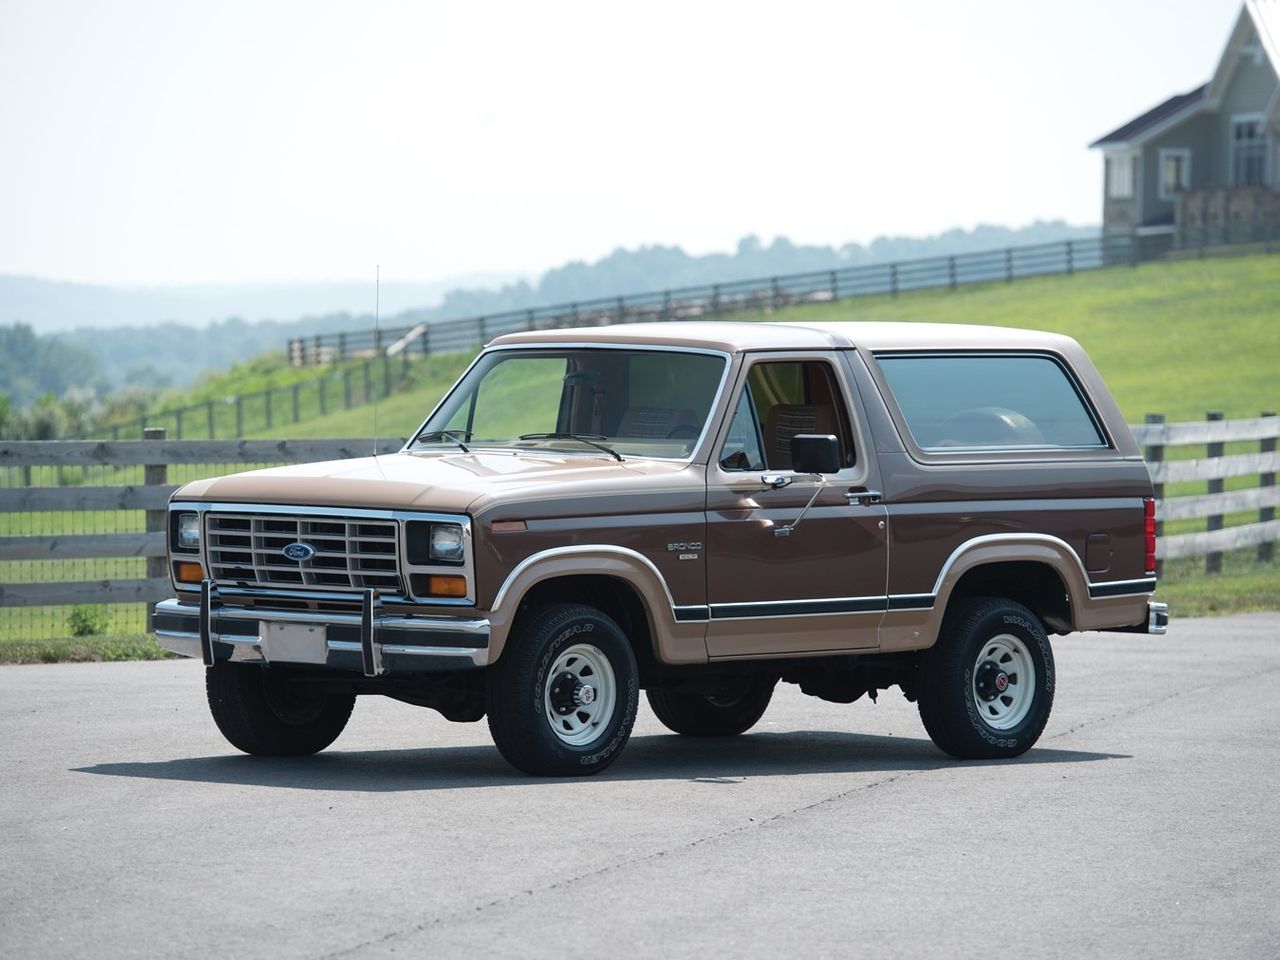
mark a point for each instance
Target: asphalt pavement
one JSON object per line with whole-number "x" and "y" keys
{"x": 1145, "y": 824}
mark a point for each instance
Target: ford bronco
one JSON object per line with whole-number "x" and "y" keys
{"x": 697, "y": 510}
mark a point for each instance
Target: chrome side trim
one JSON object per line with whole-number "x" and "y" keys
{"x": 1122, "y": 588}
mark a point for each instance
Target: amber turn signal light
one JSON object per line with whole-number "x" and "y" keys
{"x": 441, "y": 586}
{"x": 186, "y": 571}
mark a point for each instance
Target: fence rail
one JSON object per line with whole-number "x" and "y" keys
{"x": 156, "y": 455}
{"x": 716, "y": 300}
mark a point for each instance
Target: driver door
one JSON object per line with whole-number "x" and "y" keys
{"x": 822, "y": 586}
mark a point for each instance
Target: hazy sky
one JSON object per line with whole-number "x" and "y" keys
{"x": 179, "y": 142}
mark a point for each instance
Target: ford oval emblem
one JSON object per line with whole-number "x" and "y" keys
{"x": 299, "y": 551}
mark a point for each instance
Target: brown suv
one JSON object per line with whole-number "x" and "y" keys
{"x": 696, "y": 509}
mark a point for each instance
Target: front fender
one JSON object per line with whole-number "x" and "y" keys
{"x": 673, "y": 641}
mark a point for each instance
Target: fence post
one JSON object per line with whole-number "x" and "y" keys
{"x": 529, "y": 321}
{"x": 1213, "y": 559}
{"x": 239, "y": 417}
{"x": 368, "y": 382}
{"x": 951, "y": 272}
{"x": 346, "y": 389}
{"x": 266, "y": 402}
{"x": 1071, "y": 259}
{"x": 1267, "y": 479}
{"x": 342, "y": 346}
{"x": 297, "y": 413}
{"x": 835, "y": 286}
{"x": 666, "y": 304}
{"x": 154, "y": 474}
{"x": 483, "y": 327}
{"x": 1155, "y": 454}
{"x": 622, "y": 311}
{"x": 1008, "y": 264}
{"x": 775, "y": 294}
{"x": 386, "y": 375}
{"x": 893, "y": 279}
{"x": 715, "y": 299}
{"x": 318, "y": 349}
{"x": 208, "y": 414}
{"x": 320, "y": 386}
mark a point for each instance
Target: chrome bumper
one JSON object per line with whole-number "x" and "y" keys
{"x": 1157, "y": 617}
{"x": 371, "y": 642}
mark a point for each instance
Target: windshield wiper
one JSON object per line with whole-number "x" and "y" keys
{"x": 457, "y": 436}
{"x": 587, "y": 438}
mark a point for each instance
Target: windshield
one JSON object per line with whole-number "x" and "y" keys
{"x": 648, "y": 403}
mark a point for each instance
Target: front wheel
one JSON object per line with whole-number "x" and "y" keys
{"x": 562, "y": 698}
{"x": 986, "y": 686}
{"x": 261, "y": 712}
{"x": 732, "y": 710}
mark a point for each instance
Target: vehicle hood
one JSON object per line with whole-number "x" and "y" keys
{"x": 445, "y": 482}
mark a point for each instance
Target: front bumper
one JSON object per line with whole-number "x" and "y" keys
{"x": 371, "y": 642}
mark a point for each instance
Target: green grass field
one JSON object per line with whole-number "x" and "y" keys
{"x": 1177, "y": 338}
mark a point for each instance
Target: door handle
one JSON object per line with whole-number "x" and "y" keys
{"x": 777, "y": 480}
{"x": 864, "y": 498}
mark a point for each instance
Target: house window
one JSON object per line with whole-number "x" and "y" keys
{"x": 1175, "y": 171}
{"x": 1248, "y": 150}
{"x": 1120, "y": 177}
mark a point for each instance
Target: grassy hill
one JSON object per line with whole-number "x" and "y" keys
{"x": 1177, "y": 338}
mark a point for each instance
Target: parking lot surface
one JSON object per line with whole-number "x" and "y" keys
{"x": 1145, "y": 824}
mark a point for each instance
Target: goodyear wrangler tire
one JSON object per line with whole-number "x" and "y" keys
{"x": 263, "y": 713}
{"x": 734, "y": 710}
{"x": 562, "y": 698}
{"x": 986, "y": 686}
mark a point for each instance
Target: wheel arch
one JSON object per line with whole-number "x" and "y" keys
{"x": 621, "y": 583}
{"x": 1040, "y": 572}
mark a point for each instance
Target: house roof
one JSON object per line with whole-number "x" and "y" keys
{"x": 1157, "y": 114}
{"x": 1263, "y": 16}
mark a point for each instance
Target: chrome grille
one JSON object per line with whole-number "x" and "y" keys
{"x": 351, "y": 553}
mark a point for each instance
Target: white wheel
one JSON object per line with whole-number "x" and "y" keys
{"x": 579, "y": 694}
{"x": 1004, "y": 682}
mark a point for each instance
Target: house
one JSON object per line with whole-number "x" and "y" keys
{"x": 1204, "y": 166}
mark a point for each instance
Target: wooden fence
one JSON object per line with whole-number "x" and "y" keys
{"x": 1216, "y": 467}
{"x": 1251, "y": 508}
{"x": 154, "y": 455}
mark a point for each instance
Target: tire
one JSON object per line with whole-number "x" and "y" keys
{"x": 534, "y": 693}
{"x": 968, "y": 709}
{"x": 264, "y": 714}
{"x": 734, "y": 710}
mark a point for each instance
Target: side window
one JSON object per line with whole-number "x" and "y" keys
{"x": 981, "y": 401}
{"x": 782, "y": 399}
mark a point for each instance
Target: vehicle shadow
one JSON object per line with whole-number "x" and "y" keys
{"x": 651, "y": 757}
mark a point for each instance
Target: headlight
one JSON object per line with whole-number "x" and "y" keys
{"x": 184, "y": 531}
{"x": 446, "y": 543}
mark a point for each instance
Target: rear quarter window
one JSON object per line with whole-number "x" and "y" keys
{"x": 985, "y": 401}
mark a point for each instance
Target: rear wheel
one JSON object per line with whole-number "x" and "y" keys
{"x": 562, "y": 698}
{"x": 262, "y": 712}
{"x": 986, "y": 686}
{"x": 733, "y": 709}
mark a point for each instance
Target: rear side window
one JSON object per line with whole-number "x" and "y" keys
{"x": 985, "y": 401}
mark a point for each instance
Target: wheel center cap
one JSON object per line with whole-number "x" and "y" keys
{"x": 585, "y": 695}
{"x": 1002, "y": 681}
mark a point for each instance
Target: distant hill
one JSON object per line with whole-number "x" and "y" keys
{"x": 49, "y": 306}
{"x": 147, "y": 346}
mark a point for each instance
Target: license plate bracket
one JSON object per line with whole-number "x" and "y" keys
{"x": 294, "y": 642}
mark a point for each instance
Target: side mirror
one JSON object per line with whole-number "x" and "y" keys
{"x": 815, "y": 453}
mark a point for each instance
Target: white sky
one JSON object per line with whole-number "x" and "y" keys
{"x": 181, "y": 142}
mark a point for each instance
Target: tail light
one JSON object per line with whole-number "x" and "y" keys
{"x": 1149, "y": 554}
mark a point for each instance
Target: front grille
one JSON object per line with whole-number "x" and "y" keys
{"x": 351, "y": 553}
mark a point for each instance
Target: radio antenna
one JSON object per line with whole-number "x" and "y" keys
{"x": 377, "y": 339}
